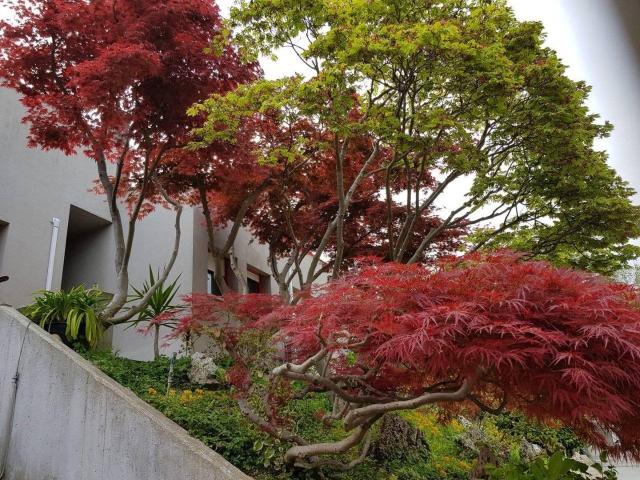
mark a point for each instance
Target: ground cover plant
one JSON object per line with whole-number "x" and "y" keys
{"x": 214, "y": 417}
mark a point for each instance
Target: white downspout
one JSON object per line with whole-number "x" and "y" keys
{"x": 55, "y": 222}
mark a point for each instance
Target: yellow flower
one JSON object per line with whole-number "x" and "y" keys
{"x": 172, "y": 392}
{"x": 152, "y": 391}
{"x": 186, "y": 396}
{"x": 199, "y": 392}
{"x": 456, "y": 426}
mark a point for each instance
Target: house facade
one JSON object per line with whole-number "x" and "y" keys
{"x": 55, "y": 233}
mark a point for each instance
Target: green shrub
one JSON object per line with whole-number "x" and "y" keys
{"x": 213, "y": 417}
{"x": 552, "y": 439}
{"x": 160, "y": 309}
{"x": 140, "y": 376}
{"x": 555, "y": 467}
{"x": 78, "y": 308}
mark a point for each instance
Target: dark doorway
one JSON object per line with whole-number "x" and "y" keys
{"x": 212, "y": 286}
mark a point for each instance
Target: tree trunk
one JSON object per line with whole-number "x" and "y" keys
{"x": 108, "y": 315}
{"x": 243, "y": 286}
{"x": 156, "y": 342}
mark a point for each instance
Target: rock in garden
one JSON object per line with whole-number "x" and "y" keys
{"x": 530, "y": 451}
{"x": 473, "y": 438}
{"x": 591, "y": 473}
{"x": 398, "y": 440}
{"x": 203, "y": 370}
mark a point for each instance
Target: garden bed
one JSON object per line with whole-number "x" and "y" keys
{"x": 213, "y": 417}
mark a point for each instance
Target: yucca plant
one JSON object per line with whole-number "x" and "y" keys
{"x": 160, "y": 311}
{"x": 76, "y": 308}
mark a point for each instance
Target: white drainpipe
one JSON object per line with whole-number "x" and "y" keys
{"x": 55, "y": 222}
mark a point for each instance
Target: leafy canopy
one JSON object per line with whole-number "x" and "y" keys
{"x": 486, "y": 331}
{"x": 107, "y": 76}
{"x": 298, "y": 165}
{"x": 114, "y": 79}
{"x": 460, "y": 89}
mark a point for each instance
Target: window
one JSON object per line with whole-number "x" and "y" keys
{"x": 252, "y": 285}
{"x": 4, "y": 228}
{"x": 257, "y": 281}
{"x": 212, "y": 286}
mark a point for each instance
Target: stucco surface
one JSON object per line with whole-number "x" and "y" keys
{"x": 36, "y": 186}
{"x": 72, "y": 422}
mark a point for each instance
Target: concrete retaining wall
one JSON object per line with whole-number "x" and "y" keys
{"x": 72, "y": 422}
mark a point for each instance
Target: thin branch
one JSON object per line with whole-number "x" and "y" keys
{"x": 359, "y": 415}
{"x": 295, "y": 454}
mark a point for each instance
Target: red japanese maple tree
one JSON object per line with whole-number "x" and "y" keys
{"x": 296, "y": 217}
{"x": 230, "y": 181}
{"x": 114, "y": 79}
{"x": 302, "y": 188}
{"x": 480, "y": 332}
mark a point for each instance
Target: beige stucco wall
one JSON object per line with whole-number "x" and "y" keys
{"x": 36, "y": 186}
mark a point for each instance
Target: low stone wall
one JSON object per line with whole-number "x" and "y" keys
{"x": 72, "y": 422}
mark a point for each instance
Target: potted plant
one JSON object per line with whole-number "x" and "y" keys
{"x": 73, "y": 315}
